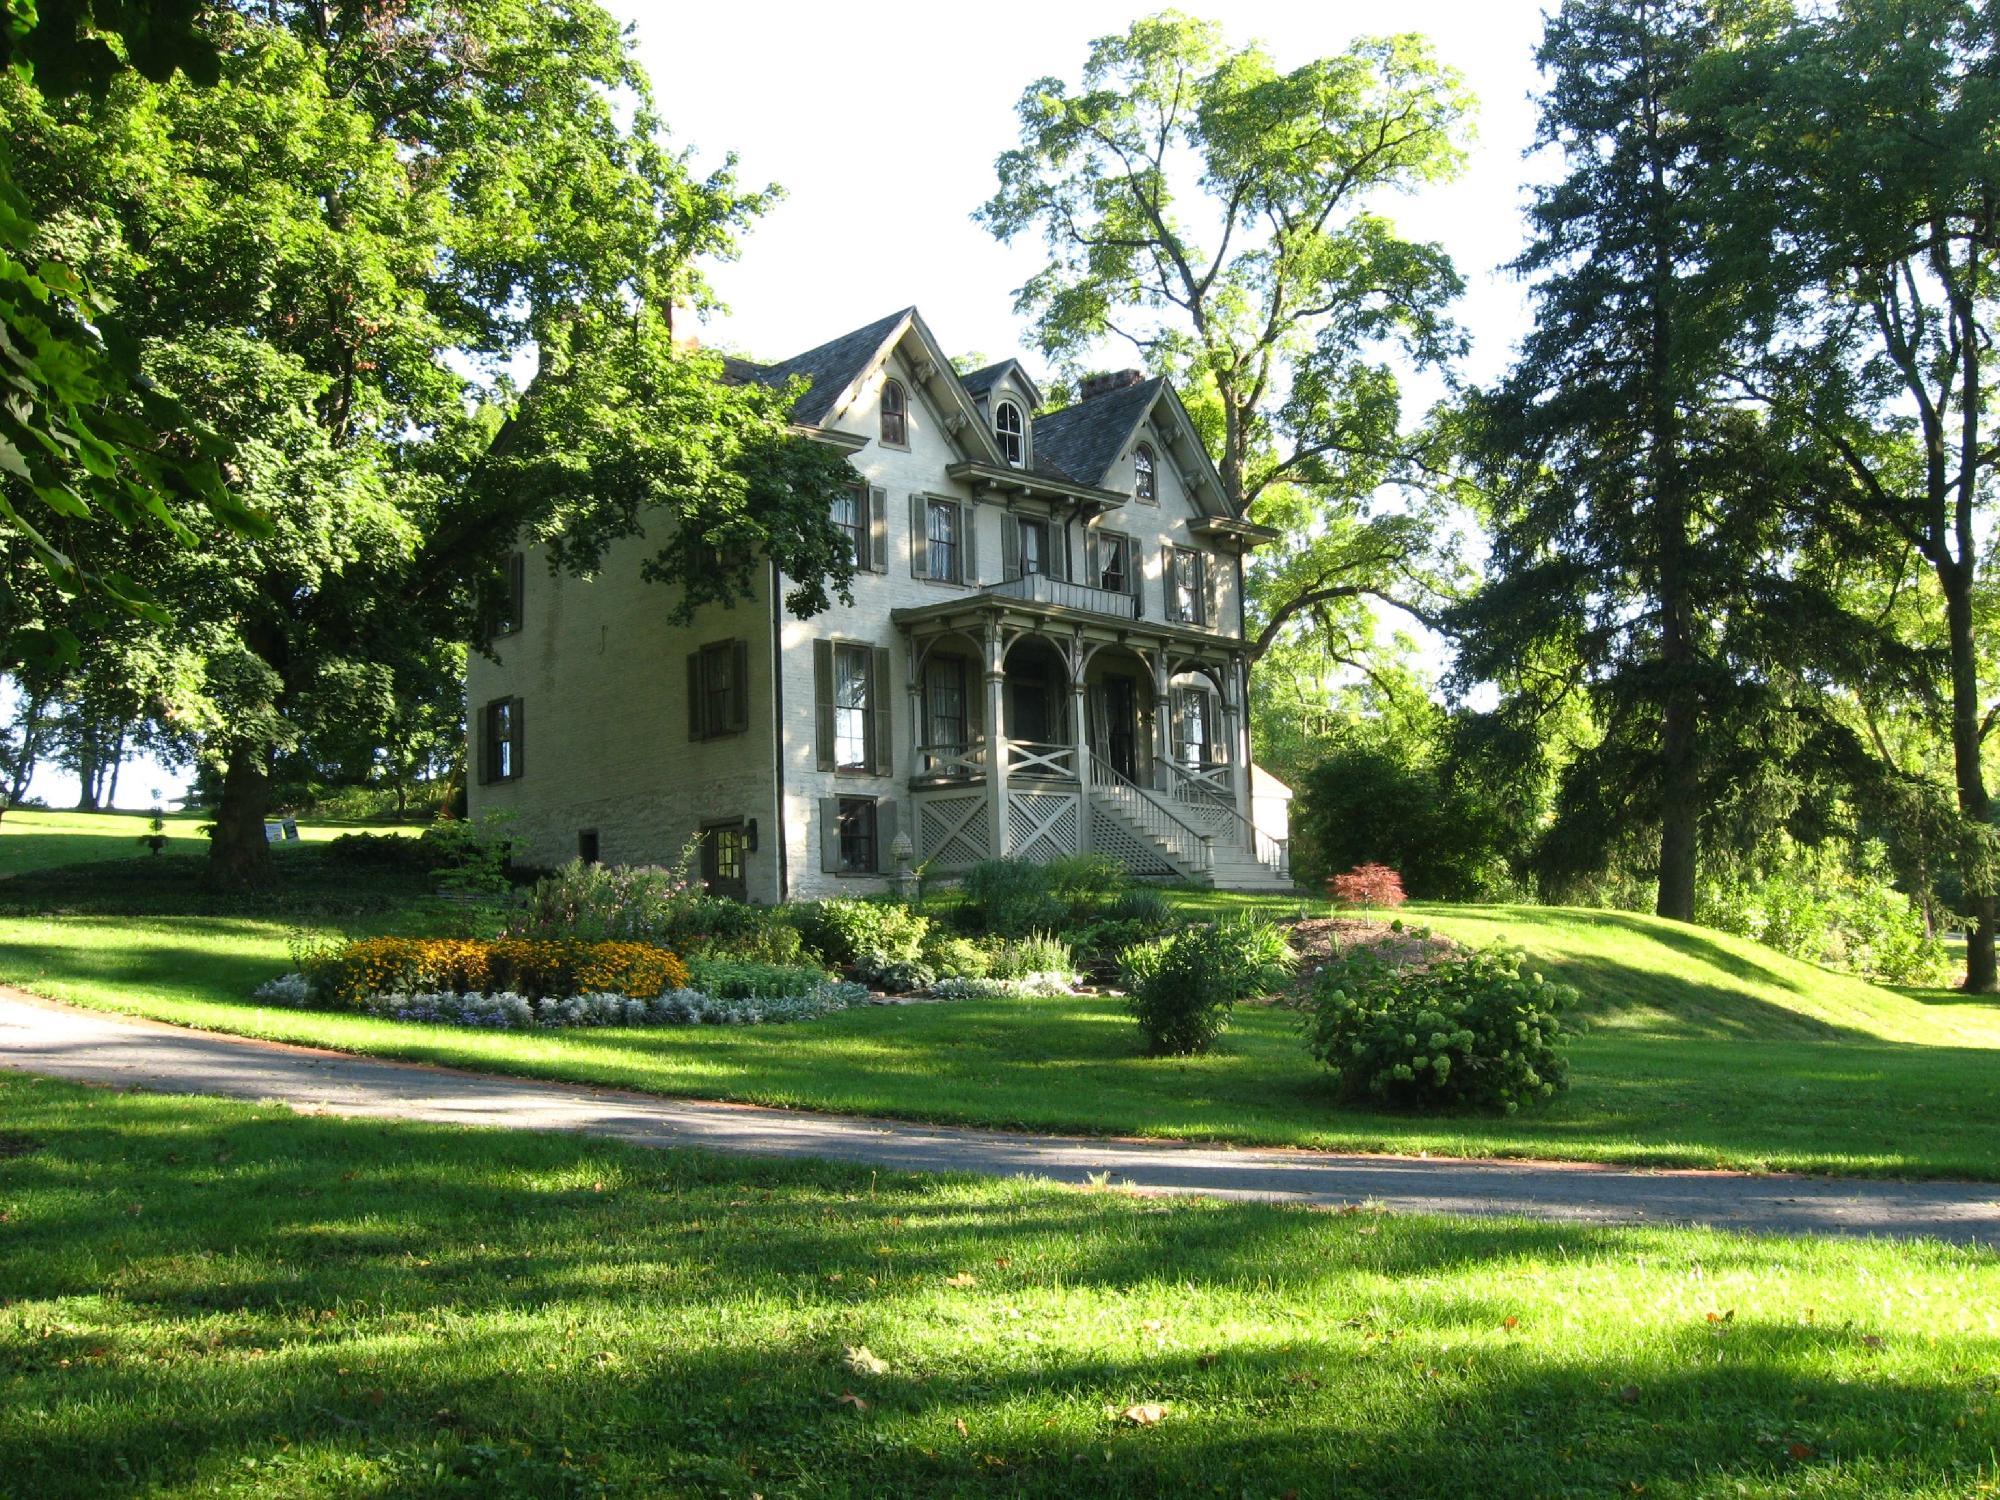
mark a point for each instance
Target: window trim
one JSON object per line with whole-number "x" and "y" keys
{"x": 867, "y": 708}
{"x": 855, "y": 495}
{"x": 1019, "y": 434}
{"x": 1129, "y": 575}
{"x": 511, "y": 606}
{"x": 1146, "y": 466}
{"x": 703, "y": 723}
{"x": 847, "y": 806}
{"x": 900, "y": 412}
{"x": 934, "y": 506}
{"x": 1198, "y": 592}
{"x": 490, "y": 743}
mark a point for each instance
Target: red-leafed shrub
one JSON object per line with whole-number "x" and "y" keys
{"x": 1366, "y": 886}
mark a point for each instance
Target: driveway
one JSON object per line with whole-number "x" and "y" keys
{"x": 38, "y": 1036}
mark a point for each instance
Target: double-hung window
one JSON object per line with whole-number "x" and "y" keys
{"x": 1194, "y": 727}
{"x": 1034, "y": 547}
{"x": 946, "y": 729}
{"x": 946, "y": 556}
{"x": 850, "y": 707}
{"x": 1187, "y": 586}
{"x": 718, "y": 690}
{"x": 1114, "y": 562}
{"x": 1010, "y": 429}
{"x": 850, "y": 515}
{"x": 858, "y": 836}
{"x": 501, "y": 740}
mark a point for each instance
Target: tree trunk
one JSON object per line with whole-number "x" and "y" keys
{"x": 239, "y": 852}
{"x": 1975, "y": 807}
{"x": 1680, "y": 812}
{"x": 86, "y": 772}
{"x": 31, "y": 748}
{"x": 117, "y": 764}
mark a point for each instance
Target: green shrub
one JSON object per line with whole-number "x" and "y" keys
{"x": 470, "y": 858}
{"x": 844, "y": 931}
{"x": 1139, "y": 962}
{"x": 1471, "y": 1032}
{"x": 1087, "y": 882}
{"x": 955, "y": 957}
{"x": 384, "y": 851}
{"x": 1182, "y": 999}
{"x": 1013, "y": 897}
{"x": 1144, "y": 905}
{"x": 1260, "y": 958}
{"x": 770, "y": 939}
{"x": 896, "y": 976}
{"x": 1036, "y": 953}
{"x": 737, "y": 979}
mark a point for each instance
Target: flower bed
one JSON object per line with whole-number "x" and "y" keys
{"x": 532, "y": 967}
{"x": 507, "y": 1010}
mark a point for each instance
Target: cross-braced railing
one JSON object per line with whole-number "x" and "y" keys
{"x": 1189, "y": 844}
{"x": 1207, "y": 790}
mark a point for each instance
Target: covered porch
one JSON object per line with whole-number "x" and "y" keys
{"x": 1041, "y": 726}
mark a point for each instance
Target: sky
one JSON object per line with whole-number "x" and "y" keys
{"x": 881, "y": 123}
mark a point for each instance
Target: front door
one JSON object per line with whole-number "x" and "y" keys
{"x": 1115, "y": 725}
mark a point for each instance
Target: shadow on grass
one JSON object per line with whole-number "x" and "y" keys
{"x": 204, "y": 1294}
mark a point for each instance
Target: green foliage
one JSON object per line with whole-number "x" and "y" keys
{"x": 850, "y": 933}
{"x": 469, "y": 858}
{"x": 1830, "y": 906}
{"x": 1471, "y": 1032}
{"x": 1035, "y": 953}
{"x": 742, "y": 979}
{"x": 953, "y": 957}
{"x": 1252, "y": 957}
{"x": 1183, "y": 995}
{"x": 1013, "y": 897}
{"x": 1371, "y": 803}
{"x": 1278, "y": 294}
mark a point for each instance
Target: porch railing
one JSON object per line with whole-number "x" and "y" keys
{"x": 1207, "y": 789}
{"x": 1040, "y": 588}
{"x": 952, "y": 762}
{"x": 1025, "y": 758}
{"x": 1189, "y": 844}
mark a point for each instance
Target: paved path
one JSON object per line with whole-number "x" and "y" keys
{"x": 38, "y": 1036}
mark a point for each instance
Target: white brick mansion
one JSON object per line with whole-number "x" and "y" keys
{"x": 1044, "y": 654}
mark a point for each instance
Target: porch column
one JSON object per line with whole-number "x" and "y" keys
{"x": 996, "y": 746}
{"x": 916, "y": 687}
{"x": 1080, "y": 735}
{"x": 1163, "y": 705}
{"x": 1239, "y": 740}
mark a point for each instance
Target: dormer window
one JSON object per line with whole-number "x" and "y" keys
{"x": 895, "y": 415}
{"x": 1012, "y": 432}
{"x": 1142, "y": 476}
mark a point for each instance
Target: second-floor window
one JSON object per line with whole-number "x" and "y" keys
{"x": 850, "y": 514}
{"x": 718, "y": 690}
{"x": 1034, "y": 547}
{"x": 1143, "y": 489}
{"x": 895, "y": 415}
{"x": 1011, "y": 429}
{"x": 1114, "y": 562}
{"x": 501, "y": 740}
{"x": 942, "y": 520}
{"x": 1187, "y": 586}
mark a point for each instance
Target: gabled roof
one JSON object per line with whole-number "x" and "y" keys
{"x": 1084, "y": 440}
{"x": 979, "y": 382}
{"x": 834, "y": 366}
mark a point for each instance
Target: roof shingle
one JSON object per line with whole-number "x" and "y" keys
{"x": 1084, "y": 440}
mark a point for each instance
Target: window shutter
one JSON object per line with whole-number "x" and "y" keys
{"x": 881, "y": 713}
{"x": 1211, "y": 589}
{"x": 1058, "y": 548}
{"x": 968, "y": 544}
{"x": 823, "y": 702}
{"x": 920, "y": 537}
{"x": 696, "y": 729}
{"x": 1177, "y": 709}
{"x": 1093, "y": 566}
{"x": 517, "y": 726}
{"x": 975, "y": 699}
{"x": 1170, "y": 609}
{"x": 885, "y": 835}
{"x": 878, "y": 529}
{"x": 829, "y": 835}
{"x": 739, "y": 686}
{"x": 1010, "y": 547}
{"x": 486, "y": 745}
{"x": 517, "y": 589}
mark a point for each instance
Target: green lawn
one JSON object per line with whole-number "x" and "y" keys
{"x": 1701, "y": 1051}
{"x": 34, "y": 840}
{"x": 207, "y": 1298}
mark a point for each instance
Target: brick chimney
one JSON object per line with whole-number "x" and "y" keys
{"x": 1103, "y": 385}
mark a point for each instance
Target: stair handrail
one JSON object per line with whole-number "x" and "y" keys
{"x": 1162, "y": 822}
{"x": 1192, "y": 788}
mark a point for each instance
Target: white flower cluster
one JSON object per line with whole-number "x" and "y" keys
{"x": 675, "y": 1008}
{"x": 1047, "y": 986}
{"x": 287, "y": 989}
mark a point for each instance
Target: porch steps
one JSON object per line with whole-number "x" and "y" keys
{"x": 1239, "y": 874}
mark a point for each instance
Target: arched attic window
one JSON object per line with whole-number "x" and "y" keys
{"x": 895, "y": 414}
{"x": 1142, "y": 476}
{"x": 1012, "y": 432}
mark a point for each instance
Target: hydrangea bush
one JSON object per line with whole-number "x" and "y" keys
{"x": 1471, "y": 1032}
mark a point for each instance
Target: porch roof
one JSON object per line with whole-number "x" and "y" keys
{"x": 994, "y": 606}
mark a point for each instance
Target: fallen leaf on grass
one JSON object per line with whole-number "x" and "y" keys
{"x": 959, "y": 1423}
{"x": 1628, "y": 1394}
{"x": 1144, "y": 1414}
{"x": 1801, "y": 1451}
{"x": 1510, "y": 1321}
{"x": 963, "y": 1278}
{"x": 1871, "y": 1341}
{"x": 848, "y": 1398}
{"x": 862, "y": 1362}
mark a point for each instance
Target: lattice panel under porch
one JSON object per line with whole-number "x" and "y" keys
{"x": 1041, "y": 825}
{"x": 951, "y": 831}
{"x": 1135, "y": 854}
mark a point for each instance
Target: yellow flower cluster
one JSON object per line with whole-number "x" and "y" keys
{"x": 528, "y": 967}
